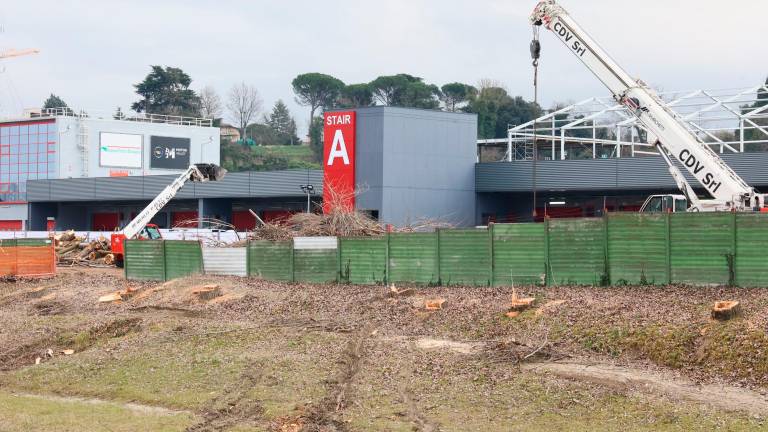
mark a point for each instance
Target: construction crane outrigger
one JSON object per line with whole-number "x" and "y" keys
{"x": 665, "y": 130}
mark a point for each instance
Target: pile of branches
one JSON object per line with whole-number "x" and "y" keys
{"x": 339, "y": 220}
{"x": 73, "y": 250}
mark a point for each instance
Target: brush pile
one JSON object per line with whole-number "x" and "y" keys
{"x": 73, "y": 250}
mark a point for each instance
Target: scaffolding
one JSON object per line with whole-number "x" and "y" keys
{"x": 731, "y": 120}
{"x": 120, "y": 115}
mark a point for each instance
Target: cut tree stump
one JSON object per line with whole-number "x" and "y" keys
{"x": 207, "y": 292}
{"x": 521, "y": 304}
{"x": 433, "y": 304}
{"x": 725, "y": 310}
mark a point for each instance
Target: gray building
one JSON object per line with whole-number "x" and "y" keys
{"x": 414, "y": 164}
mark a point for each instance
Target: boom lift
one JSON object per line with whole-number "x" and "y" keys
{"x": 668, "y": 133}
{"x": 140, "y": 228}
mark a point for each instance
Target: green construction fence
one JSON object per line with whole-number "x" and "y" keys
{"x": 617, "y": 249}
{"x": 162, "y": 260}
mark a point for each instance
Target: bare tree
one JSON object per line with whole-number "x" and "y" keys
{"x": 243, "y": 105}
{"x": 210, "y": 103}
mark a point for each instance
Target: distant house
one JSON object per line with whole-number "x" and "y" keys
{"x": 229, "y": 132}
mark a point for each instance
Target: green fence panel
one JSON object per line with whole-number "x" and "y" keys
{"x": 144, "y": 260}
{"x": 33, "y": 242}
{"x": 7, "y": 243}
{"x": 413, "y": 258}
{"x": 363, "y": 260}
{"x": 182, "y": 258}
{"x": 577, "y": 251}
{"x": 519, "y": 253}
{"x": 270, "y": 260}
{"x": 316, "y": 265}
{"x": 637, "y": 248}
{"x": 751, "y": 263}
{"x": 701, "y": 246}
{"x": 465, "y": 257}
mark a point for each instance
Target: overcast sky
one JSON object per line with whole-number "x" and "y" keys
{"x": 92, "y": 51}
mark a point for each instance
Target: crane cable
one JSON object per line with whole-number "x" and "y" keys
{"x": 535, "y": 54}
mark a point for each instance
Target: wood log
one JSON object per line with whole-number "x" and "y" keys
{"x": 109, "y": 259}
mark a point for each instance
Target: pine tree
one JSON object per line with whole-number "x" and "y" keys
{"x": 281, "y": 122}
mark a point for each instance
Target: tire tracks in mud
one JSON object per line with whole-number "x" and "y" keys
{"x": 233, "y": 407}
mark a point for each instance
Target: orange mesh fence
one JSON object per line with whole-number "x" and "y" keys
{"x": 28, "y": 261}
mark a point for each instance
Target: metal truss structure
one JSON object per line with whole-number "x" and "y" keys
{"x": 732, "y": 120}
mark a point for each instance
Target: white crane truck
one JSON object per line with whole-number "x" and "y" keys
{"x": 140, "y": 228}
{"x": 728, "y": 191}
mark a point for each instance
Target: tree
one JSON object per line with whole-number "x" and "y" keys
{"x": 496, "y": 111}
{"x": 316, "y": 90}
{"x": 210, "y": 103}
{"x": 752, "y": 133}
{"x": 282, "y": 123}
{"x": 316, "y": 138}
{"x": 455, "y": 94}
{"x": 356, "y": 95}
{"x": 243, "y": 105}
{"x": 165, "y": 90}
{"x": 405, "y": 90}
{"x": 54, "y": 101}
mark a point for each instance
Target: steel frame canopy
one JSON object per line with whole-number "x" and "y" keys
{"x": 728, "y": 120}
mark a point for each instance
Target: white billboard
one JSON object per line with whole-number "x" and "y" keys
{"x": 120, "y": 150}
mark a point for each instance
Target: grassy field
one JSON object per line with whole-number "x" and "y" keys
{"x": 276, "y": 357}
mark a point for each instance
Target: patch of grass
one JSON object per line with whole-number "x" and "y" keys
{"x": 186, "y": 371}
{"x": 462, "y": 394}
{"x": 28, "y": 413}
{"x": 730, "y": 347}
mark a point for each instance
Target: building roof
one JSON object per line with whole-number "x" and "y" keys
{"x": 249, "y": 184}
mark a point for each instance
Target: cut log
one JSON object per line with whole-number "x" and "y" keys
{"x": 725, "y": 310}
{"x": 207, "y": 292}
{"x": 108, "y": 298}
{"x": 521, "y": 304}
{"x": 109, "y": 259}
{"x": 434, "y": 304}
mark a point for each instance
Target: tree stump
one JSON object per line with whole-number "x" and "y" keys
{"x": 725, "y": 310}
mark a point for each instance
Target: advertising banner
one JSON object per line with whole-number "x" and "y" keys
{"x": 169, "y": 152}
{"x": 120, "y": 150}
{"x": 338, "y": 160}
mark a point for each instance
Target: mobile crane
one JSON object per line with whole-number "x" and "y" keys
{"x": 140, "y": 228}
{"x": 666, "y": 131}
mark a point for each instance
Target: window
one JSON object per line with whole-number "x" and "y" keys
{"x": 27, "y": 152}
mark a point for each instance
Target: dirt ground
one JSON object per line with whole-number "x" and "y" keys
{"x": 267, "y": 356}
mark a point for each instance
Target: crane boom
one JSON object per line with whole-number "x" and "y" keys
{"x": 728, "y": 189}
{"x": 17, "y": 53}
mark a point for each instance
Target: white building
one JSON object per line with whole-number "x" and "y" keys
{"x": 60, "y": 144}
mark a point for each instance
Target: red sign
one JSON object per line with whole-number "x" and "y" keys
{"x": 339, "y": 161}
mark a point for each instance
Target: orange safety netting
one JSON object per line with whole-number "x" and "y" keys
{"x": 27, "y": 261}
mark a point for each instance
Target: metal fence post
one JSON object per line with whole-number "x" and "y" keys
{"x": 668, "y": 235}
{"x": 386, "y": 259}
{"x": 547, "y": 264}
{"x": 491, "y": 281}
{"x": 293, "y": 260}
{"x": 606, "y": 251}
{"x": 437, "y": 257}
{"x": 734, "y": 247}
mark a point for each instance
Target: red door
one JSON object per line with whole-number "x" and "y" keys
{"x": 243, "y": 220}
{"x": 184, "y": 219}
{"x": 105, "y": 221}
{"x": 277, "y": 216}
{"x": 50, "y": 225}
{"x": 10, "y": 225}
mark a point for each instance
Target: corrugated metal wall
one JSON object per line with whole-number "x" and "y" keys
{"x": 577, "y": 251}
{"x": 413, "y": 258}
{"x": 363, "y": 260}
{"x": 637, "y": 248}
{"x": 225, "y": 261}
{"x": 621, "y": 248}
{"x": 519, "y": 253}
{"x": 144, "y": 260}
{"x": 465, "y": 257}
{"x": 270, "y": 260}
{"x": 315, "y": 259}
{"x": 701, "y": 244}
{"x": 751, "y": 257}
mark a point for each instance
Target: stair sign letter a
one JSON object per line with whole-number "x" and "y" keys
{"x": 338, "y": 149}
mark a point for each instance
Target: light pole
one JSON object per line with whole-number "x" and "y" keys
{"x": 309, "y": 190}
